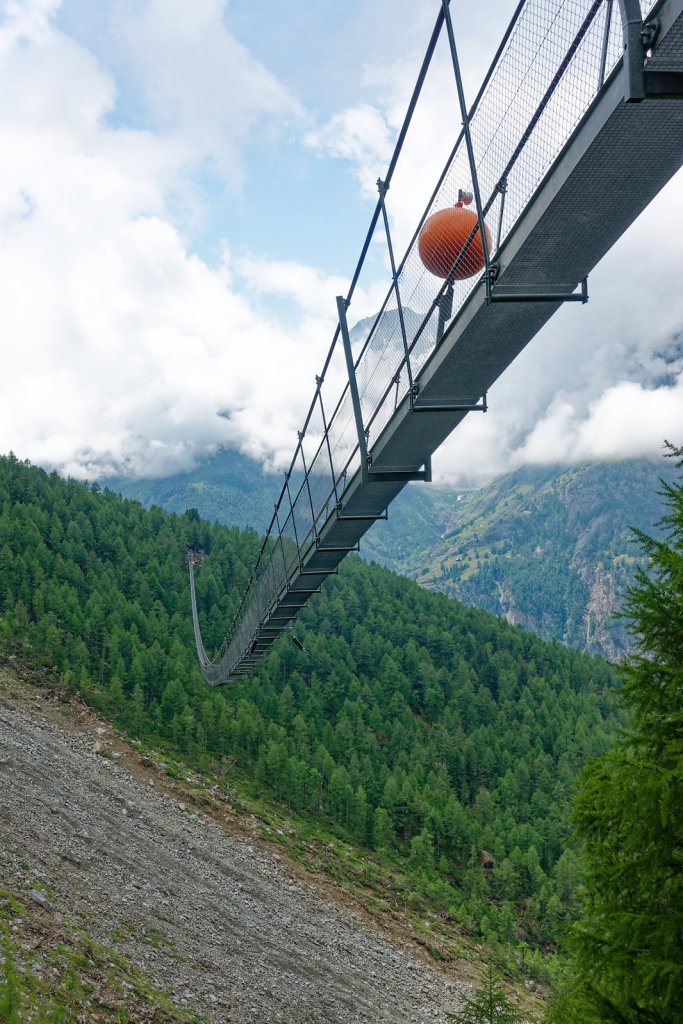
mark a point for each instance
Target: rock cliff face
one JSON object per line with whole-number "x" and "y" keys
{"x": 551, "y": 549}
{"x": 96, "y": 840}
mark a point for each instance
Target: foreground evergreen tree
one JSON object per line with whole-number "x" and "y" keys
{"x": 629, "y": 947}
{"x": 490, "y": 1005}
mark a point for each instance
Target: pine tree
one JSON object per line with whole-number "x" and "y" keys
{"x": 490, "y": 1005}
{"x": 629, "y": 946}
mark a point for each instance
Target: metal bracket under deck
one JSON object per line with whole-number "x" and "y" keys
{"x": 519, "y": 295}
{"x": 393, "y": 476}
{"x": 343, "y": 548}
{"x": 663, "y": 85}
{"x": 446, "y": 407}
{"x": 359, "y": 519}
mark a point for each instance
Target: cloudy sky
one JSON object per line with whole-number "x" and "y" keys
{"x": 184, "y": 188}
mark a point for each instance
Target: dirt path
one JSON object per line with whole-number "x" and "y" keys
{"x": 216, "y": 919}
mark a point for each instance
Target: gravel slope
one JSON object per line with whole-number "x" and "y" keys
{"x": 237, "y": 935}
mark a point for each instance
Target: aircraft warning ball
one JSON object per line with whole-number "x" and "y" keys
{"x": 443, "y": 239}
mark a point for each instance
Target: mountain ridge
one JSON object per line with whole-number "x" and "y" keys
{"x": 548, "y": 548}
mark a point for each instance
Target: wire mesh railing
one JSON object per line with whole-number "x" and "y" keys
{"x": 553, "y": 60}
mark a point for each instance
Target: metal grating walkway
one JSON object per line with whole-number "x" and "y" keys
{"x": 577, "y": 126}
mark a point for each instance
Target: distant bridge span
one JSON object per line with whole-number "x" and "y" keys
{"x": 577, "y": 126}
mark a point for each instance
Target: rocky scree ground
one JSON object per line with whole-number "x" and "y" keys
{"x": 154, "y": 909}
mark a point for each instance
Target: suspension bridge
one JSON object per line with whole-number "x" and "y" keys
{"x": 576, "y": 127}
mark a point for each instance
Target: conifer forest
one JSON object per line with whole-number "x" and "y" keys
{"x": 431, "y": 734}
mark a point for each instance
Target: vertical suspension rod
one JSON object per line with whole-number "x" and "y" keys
{"x": 634, "y": 65}
{"x": 257, "y": 595}
{"x": 482, "y": 89}
{"x": 382, "y": 188}
{"x": 353, "y": 387}
{"x": 308, "y": 484}
{"x": 399, "y": 146}
{"x": 318, "y": 381}
{"x": 557, "y": 77}
{"x": 521, "y": 144}
{"x": 390, "y": 171}
{"x": 291, "y": 512}
{"x": 503, "y": 192}
{"x": 282, "y": 547}
{"x": 468, "y": 143}
{"x": 605, "y": 43}
{"x": 472, "y": 111}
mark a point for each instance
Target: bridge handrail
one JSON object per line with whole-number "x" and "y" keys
{"x": 552, "y": 62}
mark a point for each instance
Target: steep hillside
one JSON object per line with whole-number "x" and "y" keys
{"x": 549, "y": 548}
{"x": 438, "y": 737}
{"x": 128, "y": 894}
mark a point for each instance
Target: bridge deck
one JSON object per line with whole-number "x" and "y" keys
{"x": 615, "y": 162}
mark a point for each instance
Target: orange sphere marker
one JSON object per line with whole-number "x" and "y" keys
{"x": 443, "y": 239}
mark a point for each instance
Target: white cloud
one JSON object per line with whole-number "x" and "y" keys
{"x": 632, "y": 418}
{"x": 121, "y": 349}
{"x": 27, "y": 19}
{"x": 200, "y": 85}
{"x": 313, "y": 291}
{"x": 627, "y": 419}
{"x": 361, "y": 135}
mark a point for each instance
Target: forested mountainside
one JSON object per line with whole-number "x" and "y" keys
{"x": 548, "y": 548}
{"x": 228, "y": 488}
{"x": 437, "y": 735}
